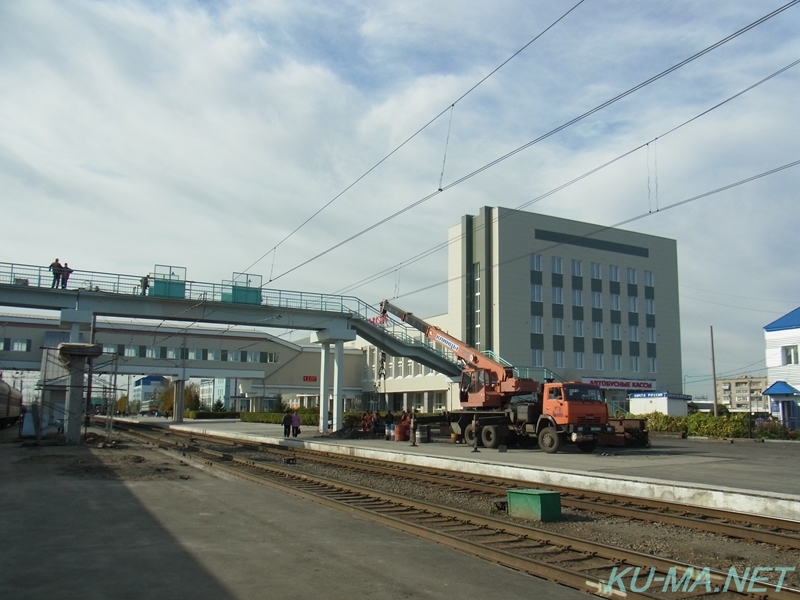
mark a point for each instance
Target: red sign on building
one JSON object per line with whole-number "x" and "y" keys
{"x": 309, "y": 377}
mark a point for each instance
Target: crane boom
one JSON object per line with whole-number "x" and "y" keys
{"x": 484, "y": 381}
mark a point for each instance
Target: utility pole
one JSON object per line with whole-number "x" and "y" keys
{"x": 714, "y": 370}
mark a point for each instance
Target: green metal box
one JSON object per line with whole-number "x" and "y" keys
{"x": 538, "y": 505}
{"x": 167, "y": 288}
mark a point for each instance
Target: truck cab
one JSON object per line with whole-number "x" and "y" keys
{"x": 574, "y": 412}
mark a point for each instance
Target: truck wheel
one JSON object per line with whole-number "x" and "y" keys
{"x": 586, "y": 446}
{"x": 489, "y": 436}
{"x": 549, "y": 441}
{"x": 469, "y": 435}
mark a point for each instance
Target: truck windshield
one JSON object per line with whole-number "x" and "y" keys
{"x": 583, "y": 393}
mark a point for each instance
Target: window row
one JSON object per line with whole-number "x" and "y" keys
{"x": 14, "y": 345}
{"x": 596, "y": 270}
{"x": 557, "y": 297}
{"x": 598, "y": 360}
{"x": 598, "y": 331}
{"x": 167, "y": 353}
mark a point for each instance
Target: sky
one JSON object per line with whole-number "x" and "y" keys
{"x": 206, "y": 134}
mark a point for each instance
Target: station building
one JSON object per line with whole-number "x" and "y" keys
{"x": 555, "y": 297}
{"x": 782, "y": 341}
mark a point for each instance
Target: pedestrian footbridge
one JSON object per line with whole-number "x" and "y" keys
{"x": 166, "y": 294}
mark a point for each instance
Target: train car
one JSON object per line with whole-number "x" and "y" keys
{"x": 10, "y": 404}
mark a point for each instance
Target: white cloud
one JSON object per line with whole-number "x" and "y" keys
{"x": 202, "y": 134}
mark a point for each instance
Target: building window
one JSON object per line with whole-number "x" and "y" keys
{"x": 577, "y": 268}
{"x": 577, "y": 297}
{"x": 651, "y": 335}
{"x": 558, "y": 326}
{"x": 634, "y": 333}
{"x": 536, "y": 292}
{"x": 616, "y": 331}
{"x": 617, "y": 360}
{"x": 538, "y": 358}
{"x": 635, "y": 364}
{"x": 270, "y": 357}
{"x": 597, "y": 330}
{"x": 214, "y": 355}
{"x": 597, "y": 300}
{"x": 597, "y": 271}
{"x": 131, "y": 351}
{"x": 253, "y": 356}
{"x": 613, "y": 273}
{"x": 558, "y": 295}
{"x": 195, "y": 354}
{"x": 536, "y": 262}
{"x": 152, "y": 352}
{"x": 20, "y": 345}
{"x": 109, "y": 348}
{"x": 173, "y": 353}
{"x": 649, "y": 280}
{"x": 579, "y": 360}
{"x": 633, "y": 304}
{"x": 557, "y": 265}
{"x": 558, "y": 359}
{"x": 577, "y": 328}
{"x": 614, "y": 301}
{"x": 536, "y": 325}
{"x": 650, "y": 306}
{"x": 651, "y": 365}
{"x": 598, "y": 362}
{"x": 631, "y": 276}
{"x": 789, "y": 355}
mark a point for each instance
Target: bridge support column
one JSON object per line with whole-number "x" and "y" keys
{"x": 177, "y": 405}
{"x": 324, "y": 386}
{"x": 338, "y": 337}
{"x": 73, "y": 356}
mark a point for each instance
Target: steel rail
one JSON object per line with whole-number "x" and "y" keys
{"x": 738, "y": 525}
{"x": 458, "y": 526}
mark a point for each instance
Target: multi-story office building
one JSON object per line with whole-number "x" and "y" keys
{"x": 743, "y": 394}
{"x": 585, "y": 301}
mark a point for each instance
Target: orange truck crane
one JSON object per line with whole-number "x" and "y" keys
{"x": 493, "y": 404}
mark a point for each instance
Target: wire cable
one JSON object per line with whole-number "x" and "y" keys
{"x": 412, "y": 136}
{"x": 443, "y": 245}
{"x": 550, "y": 133}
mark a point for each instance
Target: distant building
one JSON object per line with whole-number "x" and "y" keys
{"x": 743, "y": 394}
{"x": 644, "y": 403}
{"x": 147, "y": 389}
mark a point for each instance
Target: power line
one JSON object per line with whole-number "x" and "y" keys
{"x": 432, "y": 250}
{"x": 415, "y": 134}
{"x": 552, "y": 132}
{"x": 630, "y": 220}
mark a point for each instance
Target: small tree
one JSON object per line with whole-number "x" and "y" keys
{"x": 218, "y": 406}
{"x": 279, "y": 406}
{"x": 122, "y": 404}
{"x": 191, "y": 397}
{"x": 166, "y": 400}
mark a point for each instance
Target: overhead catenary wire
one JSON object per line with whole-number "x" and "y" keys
{"x": 542, "y": 137}
{"x": 411, "y": 137}
{"x": 581, "y": 177}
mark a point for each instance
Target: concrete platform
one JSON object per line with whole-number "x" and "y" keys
{"x": 746, "y": 476}
{"x": 73, "y": 528}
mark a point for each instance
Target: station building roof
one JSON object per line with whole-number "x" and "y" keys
{"x": 788, "y": 321}
{"x": 780, "y": 388}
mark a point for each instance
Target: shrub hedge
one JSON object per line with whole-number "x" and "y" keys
{"x": 210, "y": 414}
{"x": 729, "y": 426}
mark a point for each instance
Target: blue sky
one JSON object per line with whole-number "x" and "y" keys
{"x": 202, "y": 133}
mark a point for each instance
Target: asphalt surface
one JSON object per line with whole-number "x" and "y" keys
{"x": 73, "y": 527}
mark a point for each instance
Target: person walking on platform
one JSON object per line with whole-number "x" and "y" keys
{"x": 295, "y": 424}
{"x": 65, "y": 273}
{"x": 287, "y": 424}
{"x": 145, "y": 281}
{"x": 55, "y": 267}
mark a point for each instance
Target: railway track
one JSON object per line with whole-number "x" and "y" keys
{"x": 596, "y": 568}
{"x": 757, "y": 528}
